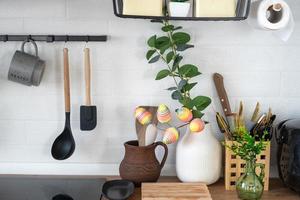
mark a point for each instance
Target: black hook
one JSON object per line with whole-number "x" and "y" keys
{"x": 50, "y": 38}
{"x": 87, "y": 39}
{"x": 66, "y": 38}
{"x": 5, "y": 38}
{"x": 28, "y": 38}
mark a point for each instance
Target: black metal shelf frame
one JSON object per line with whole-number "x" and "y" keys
{"x": 54, "y": 38}
{"x": 242, "y": 13}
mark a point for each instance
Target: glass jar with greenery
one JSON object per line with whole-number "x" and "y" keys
{"x": 249, "y": 186}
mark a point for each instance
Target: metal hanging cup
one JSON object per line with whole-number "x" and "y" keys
{"x": 25, "y": 68}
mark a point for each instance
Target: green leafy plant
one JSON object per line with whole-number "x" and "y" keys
{"x": 245, "y": 145}
{"x": 169, "y": 48}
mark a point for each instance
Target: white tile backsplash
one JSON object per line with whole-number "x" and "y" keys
{"x": 256, "y": 67}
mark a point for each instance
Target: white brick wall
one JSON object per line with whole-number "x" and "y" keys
{"x": 256, "y": 67}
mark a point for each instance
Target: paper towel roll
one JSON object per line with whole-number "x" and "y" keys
{"x": 273, "y": 15}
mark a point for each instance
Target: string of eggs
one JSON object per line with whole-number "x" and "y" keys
{"x": 171, "y": 134}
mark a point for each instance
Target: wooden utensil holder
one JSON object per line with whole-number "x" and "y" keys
{"x": 235, "y": 166}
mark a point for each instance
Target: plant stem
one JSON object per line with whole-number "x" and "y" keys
{"x": 173, "y": 76}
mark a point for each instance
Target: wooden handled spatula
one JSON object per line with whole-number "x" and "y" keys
{"x": 88, "y": 113}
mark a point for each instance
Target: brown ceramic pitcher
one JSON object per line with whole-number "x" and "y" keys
{"x": 140, "y": 163}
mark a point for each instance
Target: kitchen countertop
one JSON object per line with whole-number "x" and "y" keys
{"x": 277, "y": 191}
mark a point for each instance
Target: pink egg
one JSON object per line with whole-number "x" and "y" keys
{"x": 197, "y": 125}
{"x": 171, "y": 136}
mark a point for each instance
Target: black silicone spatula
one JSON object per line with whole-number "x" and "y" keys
{"x": 64, "y": 145}
{"x": 88, "y": 113}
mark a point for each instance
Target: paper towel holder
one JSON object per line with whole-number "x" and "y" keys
{"x": 242, "y": 13}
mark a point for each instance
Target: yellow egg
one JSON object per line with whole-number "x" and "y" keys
{"x": 197, "y": 125}
{"x": 163, "y": 114}
{"x": 184, "y": 114}
{"x": 171, "y": 136}
{"x": 143, "y": 116}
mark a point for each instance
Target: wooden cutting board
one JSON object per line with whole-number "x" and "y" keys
{"x": 175, "y": 191}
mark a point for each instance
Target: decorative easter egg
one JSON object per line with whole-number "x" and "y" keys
{"x": 171, "y": 136}
{"x": 196, "y": 125}
{"x": 184, "y": 114}
{"x": 163, "y": 114}
{"x": 143, "y": 116}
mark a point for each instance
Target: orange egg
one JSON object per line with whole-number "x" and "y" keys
{"x": 196, "y": 125}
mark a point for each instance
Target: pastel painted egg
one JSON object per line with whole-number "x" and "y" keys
{"x": 143, "y": 116}
{"x": 184, "y": 114}
{"x": 196, "y": 125}
{"x": 171, "y": 136}
{"x": 163, "y": 114}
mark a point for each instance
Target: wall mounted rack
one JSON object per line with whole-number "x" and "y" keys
{"x": 242, "y": 13}
{"x": 55, "y": 38}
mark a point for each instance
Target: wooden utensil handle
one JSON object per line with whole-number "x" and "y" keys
{"x": 66, "y": 80}
{"x": 218, "y": 80}
{"x": 87, "y": 69}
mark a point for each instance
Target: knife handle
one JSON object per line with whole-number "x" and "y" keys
{"x": 218, "y": 80}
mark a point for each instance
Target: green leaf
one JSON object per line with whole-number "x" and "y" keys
{"x": 197, "y": 114}
{"x": 161, "y": 41}
{"x": 184, "y": 47}
{"x": 201, "y": 102}
{"x": 150, "y": 54}
{"x": 154, "y": 59}
{"x": 151, "y": 41}
{"x": 176, "y": 95}
{"x": 164, "y": 48}
{"x": 172, "y": 88}
{"x": 177, "y": 28}
{"x": 170, "y": 56}
{"x": 176, "y": 62}
{"x": 162, "y": 74}
{"x": 181, "y": 38}
{"x": 181, "y": 84}
{"x": 186, "y": 102}
{"x": 189, "y": 86}
{"x": 189, "y": 71}
{"x": 167, "y": 28}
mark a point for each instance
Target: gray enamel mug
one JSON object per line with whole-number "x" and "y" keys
{"x": 25, "y": 68}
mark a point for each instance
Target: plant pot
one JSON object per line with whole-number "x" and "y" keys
{"x": 199, "y": 157}
{"x": 140, "y": 163}
{"x": 179, "y": 9}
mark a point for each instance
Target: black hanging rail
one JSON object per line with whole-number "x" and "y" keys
{"x": 55, "y": 38}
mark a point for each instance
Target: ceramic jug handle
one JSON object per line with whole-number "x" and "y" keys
{"x": 165, "y": 155}
{"x": 262, "y": 171}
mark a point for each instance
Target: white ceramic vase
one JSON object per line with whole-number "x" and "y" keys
{"x": 199, "y": 157}
{"x": 179, "y": 9}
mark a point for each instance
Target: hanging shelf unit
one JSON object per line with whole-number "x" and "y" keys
{"x": 242, "y": 13}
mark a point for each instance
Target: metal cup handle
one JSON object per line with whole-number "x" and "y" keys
{"x": 34, "y": 45}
